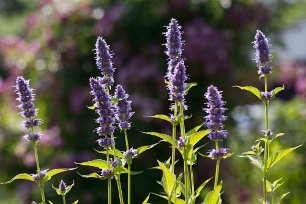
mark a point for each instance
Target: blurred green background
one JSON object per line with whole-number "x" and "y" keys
{"x": 51, "y": 42}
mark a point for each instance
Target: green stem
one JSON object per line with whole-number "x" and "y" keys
{"x": 64, "y": 199}
{"x": 174, "y": 138}
{"x": 129, "y": 183}
{"x": 186, "y": 173}
{"x": 192, "y": 180}
{"x": 119, "y": 189}
{"x": 126, "y": 139}
{"x": 40, "y": 183}
{"x": 109, "y": 186}
{"x": 266, "y": 150}
{"x": 217, "y": 166}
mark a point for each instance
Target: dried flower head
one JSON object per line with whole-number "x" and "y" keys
{"x": 104, "y": 107}
{"x": 104, "y": 61}
{"x": 123, "y": 108}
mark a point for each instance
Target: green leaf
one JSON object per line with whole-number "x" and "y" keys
{"x": 136, "y": 172}
{"x": 189, "y": 86}
{"x": 142, "y": 149}
{"x": 115, "y": 100}
{"x": 196, "y": 137}
{"x": 162, "y": 117}
{"x": 50, "y": 202}
{"x": 269, "y": 186}
{"x": 279, "y": 155}
{"x": 173, "y": 200}
{"x": 118, "y": 153}
{"x": 200, "y": 188}
{"x": 168, "y": 180}
{"x": 93, "y": 107}
{"x": 91, "y": 175}
{"x": 54, "y": 172}
{"x": 255, "y": 161}
{"x": 278, "y": 135}
{"x": 251, "y": 89}
{"x": 120, "y": 170}
{"x": 76, "y": 202}
{"x": 213, "y": 196}
{"x": 165, "y": 137}
{"x": 99, "y": 163}
{"x": 279, "y": 200}
{"x": 22, "y": 176}
{"x": 146, "y": 200}
{"x": 194, "y": 130}
{"x": 278, "y": 89}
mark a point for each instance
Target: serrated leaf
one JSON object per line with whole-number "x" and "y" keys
{"x": 255, "y": 161}
{"x": 146, "y": 200}
{"x": 194, "y": 130}
{"x": 22, "y": 176}
{"x": 251, "y": 89}
{"x": 142, "y": 149}
{"x": 162, "y": 117}
{"x": 279, "y": 155}
{"x": 165, "y": 137}
{"x": 99, "y": 163}
{"x": 213, "y": 196}
{"x": 91, "y": 175}
{"x": 189, "y": 86}
{"x": 278, "y": 89}
{"x": 200, "y": 188}
{"x": 196, "y": 137}
{"x": 173, "y": 200}
{"x": 118, "y": 153}
{"x": 54, "y": 172}
{"x": 168, "y": 179}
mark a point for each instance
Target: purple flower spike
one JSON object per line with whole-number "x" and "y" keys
{"x": 26, "y": 98}
{"x": 123, "y": 108}
{"x": 104, "y": 107}
{"x": 262, "y": 55}
{"x": 178, "y": 85}
{"x": 104, "y": 61}
{"x": 218, "y": 154}
{"x": 130, "y": 154}
{"x": 215, "y": 114}
{"x": 62, "y": 186}
{"x": 106, "y": 143}
{"x": 106, "y": 173}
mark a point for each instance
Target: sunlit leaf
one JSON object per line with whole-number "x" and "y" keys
{"x": 91, "y": 175}
{"x": 279, "y": 199}
{"x": 50, "y": 202}
{"x": 142, "y": 149}
{"x": 200, "y": 188}
{"x": 196, "y": 137}
{"x": 54, "y": 172}
{"x": 118, "y": 153}
{"x": 162, "y": 117}
{"x": 278, "y": 89}
{"x": 99, "y": 163}
{"x": 146, "y": 200}
{"x": 173, "y": 200}
{"x": 194, "y": 130}
{"x": 76, "y": 202}
{"x": 22, "y": 176}
{"x": 279, "y": 155}
{"x": 213, "y": 196}
{"x": 165, "y": 137}
{"x": 251, "y": 89}
{"x": 115, "y": 100}
{"x": 93, "y": 107}
{"x": 168, "y": 179}
{"x": 189, "y": 86}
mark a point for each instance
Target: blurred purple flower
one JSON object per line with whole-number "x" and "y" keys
{"x": 123, "y": 108}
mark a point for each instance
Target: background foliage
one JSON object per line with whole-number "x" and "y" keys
{"x": 51, "y": 42}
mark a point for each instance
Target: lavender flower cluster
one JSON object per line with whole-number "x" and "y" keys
{"x": 214, "y": 120}
{"x": 263, "y": 55}
{"x": 26, "y": 98}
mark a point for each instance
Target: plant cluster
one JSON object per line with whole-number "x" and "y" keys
{"x": 114, "y": 109}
